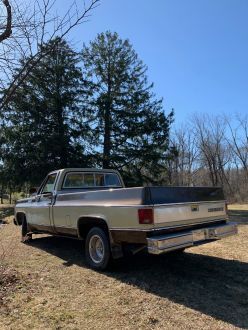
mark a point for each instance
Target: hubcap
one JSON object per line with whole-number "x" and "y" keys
{"x": 96, "y": 249}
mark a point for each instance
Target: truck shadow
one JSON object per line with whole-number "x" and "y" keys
{"x": 213, "y": 286}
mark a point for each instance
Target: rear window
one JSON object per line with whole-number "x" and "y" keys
{"x": 77, "y": 180}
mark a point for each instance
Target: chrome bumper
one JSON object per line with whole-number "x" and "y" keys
{"x": 170, "y": 242}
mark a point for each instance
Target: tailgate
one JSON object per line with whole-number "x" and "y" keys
{"x": 187, "y": 205}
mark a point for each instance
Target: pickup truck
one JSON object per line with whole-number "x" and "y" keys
{"x": 94, "y": 205}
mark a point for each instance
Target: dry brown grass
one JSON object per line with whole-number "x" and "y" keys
{"x": 238, "y": 213}
{"x": 243, "y": 207}
{"x": 204, "y": 288}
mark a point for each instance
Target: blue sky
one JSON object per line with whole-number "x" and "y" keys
{"x": 196, "y": 50}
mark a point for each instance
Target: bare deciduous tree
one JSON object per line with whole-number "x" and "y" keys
{"x": 238, "y": 140}
{"x": 6, "y": 24}
{"x": 212, "y": 150}
{"x": 185, "y": 163}
{"x": 31, "y": 26}
{"x": 210, "y": 133}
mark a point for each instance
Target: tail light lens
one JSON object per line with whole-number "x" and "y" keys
{"x": 145, "y": 216}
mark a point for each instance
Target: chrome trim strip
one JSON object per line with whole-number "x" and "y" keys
{"x": 152, "y": 229}
{"x": 97, "y": 205}
{"x": 191, "y": 203}
{"x": 132, "y": 205}
{"x": 86, "y": 192}
{"x": 65, "y": 227}
{"x": 40, "y": 225}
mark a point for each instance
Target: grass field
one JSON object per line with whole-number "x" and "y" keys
{"x": 51, "y": 287}
{"x": 238, "y": 213}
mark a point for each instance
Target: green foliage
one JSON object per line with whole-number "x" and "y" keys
{"x": 131, "y": 130}
{"x": 42, "y": 126}
{"x": 96, "y": 109}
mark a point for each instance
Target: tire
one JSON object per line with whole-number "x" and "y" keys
{"x": 24, "y": 232}
{"x": 97, "y": 249}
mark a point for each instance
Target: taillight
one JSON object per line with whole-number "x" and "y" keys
{"x": 145, "y": 216}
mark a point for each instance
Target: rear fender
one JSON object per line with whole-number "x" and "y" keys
{"x": 85, "y": 223}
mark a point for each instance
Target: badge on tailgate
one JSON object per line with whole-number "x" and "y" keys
{"x": 194, "y": 208}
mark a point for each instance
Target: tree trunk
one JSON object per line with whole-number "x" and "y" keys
{"x": 107, "y": 127}
{"x": 1, "y": 195}
{"x": 107, "y": 142}
{"x": 63, "y": 143}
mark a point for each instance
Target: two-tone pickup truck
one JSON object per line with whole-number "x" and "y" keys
{"x": 95, "y": 206}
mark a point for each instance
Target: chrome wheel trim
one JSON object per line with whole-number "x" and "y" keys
{"x": 96, "y": 249}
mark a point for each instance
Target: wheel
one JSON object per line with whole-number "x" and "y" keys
{"x": 97, "y": 249}
{"x": 25, "y": 236}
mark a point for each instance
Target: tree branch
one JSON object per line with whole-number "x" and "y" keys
{"x": 7, "y": 32}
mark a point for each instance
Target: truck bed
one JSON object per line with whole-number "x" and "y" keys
{"x": 172, "y": 206}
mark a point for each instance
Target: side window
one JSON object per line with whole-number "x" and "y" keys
{"x": 49, "y": 185}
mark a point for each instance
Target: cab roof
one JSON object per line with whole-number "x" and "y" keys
{"x": 84, "y": 169}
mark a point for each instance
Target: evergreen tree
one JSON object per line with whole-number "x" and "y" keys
{"x": 42, "y": 127}
{"x": 131, "y": 130}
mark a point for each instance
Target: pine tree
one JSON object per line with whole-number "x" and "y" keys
{"x": 131, "y": 130}
{"x": 42, "y": 128}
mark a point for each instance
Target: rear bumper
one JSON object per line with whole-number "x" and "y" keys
{"x": 170, "y": 242}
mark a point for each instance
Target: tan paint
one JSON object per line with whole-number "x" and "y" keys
{"x": 180, "y": 213}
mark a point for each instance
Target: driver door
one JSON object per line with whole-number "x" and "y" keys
{"x": 41, "y": 211}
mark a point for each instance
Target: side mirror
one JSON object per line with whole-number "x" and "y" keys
{"x": 48, "y": 195}
{"x": 32, "y": 191}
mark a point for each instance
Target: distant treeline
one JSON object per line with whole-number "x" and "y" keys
{"x": 212, "y": 150}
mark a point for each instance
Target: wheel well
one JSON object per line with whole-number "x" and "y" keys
{"x": 86, "y": 223}
{"x": 20, "y": 217}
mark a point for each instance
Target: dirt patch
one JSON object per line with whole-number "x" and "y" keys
{"x": 9, "y": 280}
